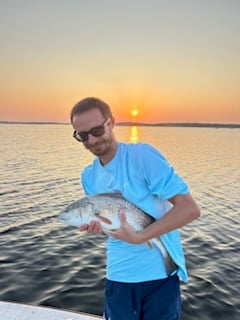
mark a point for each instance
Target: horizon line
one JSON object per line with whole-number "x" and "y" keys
{"x": 134, "y": 123}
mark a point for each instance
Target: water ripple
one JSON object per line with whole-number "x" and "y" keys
{"x": 43, "y": 262}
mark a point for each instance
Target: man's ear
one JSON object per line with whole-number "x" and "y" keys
{"x": 113, "y": 121}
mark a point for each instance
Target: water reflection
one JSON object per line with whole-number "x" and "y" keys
{"x": 134, "y": 136}
{"x": 37, "y": 180}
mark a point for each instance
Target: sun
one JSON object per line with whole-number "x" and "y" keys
{"x": 134, "y": 112}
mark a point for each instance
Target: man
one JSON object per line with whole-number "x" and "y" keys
{"x": 138, "y": 286}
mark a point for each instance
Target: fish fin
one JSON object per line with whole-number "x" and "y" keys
{"x": 170, "y": 265}
{"x": 103, "y": 219}
{"x": 149, "y": 244}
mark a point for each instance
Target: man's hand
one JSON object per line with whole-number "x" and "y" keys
{"x": 93, "y": 227}
{"x": 126, "y": 232}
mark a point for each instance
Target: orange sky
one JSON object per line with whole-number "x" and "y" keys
{"x": 174, "y": 62}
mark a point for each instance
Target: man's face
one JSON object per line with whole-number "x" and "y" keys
{"x": 85, "y": 122}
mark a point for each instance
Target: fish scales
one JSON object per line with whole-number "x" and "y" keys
{"x": 111, "y": 205}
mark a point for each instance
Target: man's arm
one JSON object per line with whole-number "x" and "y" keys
{"x": 184, "y": 211}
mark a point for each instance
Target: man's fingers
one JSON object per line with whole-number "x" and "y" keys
{"x": 95, "y": 227}
{"x": 111, "y": 232}
{"x": 92, "y": 227}
{"x": 122, "y": 217}
{"x": 83, "y": 227}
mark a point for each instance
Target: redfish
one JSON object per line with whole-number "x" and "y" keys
{"x": 105, "y": 208}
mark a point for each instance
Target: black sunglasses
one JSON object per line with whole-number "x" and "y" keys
{"x": 96, "y": 132}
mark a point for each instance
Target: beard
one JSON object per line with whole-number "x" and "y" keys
{"x": 101, "y": 147}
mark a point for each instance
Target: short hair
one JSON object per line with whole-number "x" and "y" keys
{"x": 89, "y": 104}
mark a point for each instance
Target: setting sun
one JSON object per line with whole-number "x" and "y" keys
{"x": 134, "y": 112}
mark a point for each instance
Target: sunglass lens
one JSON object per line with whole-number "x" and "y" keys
{"x": 98, "y": 131}
{"x": 82, "y": 136}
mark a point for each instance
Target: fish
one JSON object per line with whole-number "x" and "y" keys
{"x": 105, "y": 208}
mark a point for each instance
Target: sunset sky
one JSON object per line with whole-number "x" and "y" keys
{"x": 171, "y": 61}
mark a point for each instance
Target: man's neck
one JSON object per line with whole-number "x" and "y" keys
{"x": 110, "y": 155}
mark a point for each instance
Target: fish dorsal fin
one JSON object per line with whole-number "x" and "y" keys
{"x": 103, "y": 219}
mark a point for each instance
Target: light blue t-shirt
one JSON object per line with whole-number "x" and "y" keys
{"x": 144, "y": 177}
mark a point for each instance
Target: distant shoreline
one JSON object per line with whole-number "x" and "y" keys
{"x": 141, "y": 124}
{"x": 181, "y": 124}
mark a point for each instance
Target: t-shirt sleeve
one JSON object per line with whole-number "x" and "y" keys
{"x": 160, "y": 176}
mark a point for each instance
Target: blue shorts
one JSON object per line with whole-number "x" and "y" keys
{"x": 151, "y": 300}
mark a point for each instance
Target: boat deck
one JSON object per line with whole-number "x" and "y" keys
{"x": 19, "y": 311}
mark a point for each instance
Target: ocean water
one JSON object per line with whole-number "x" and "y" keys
{"x": 43, "y": 262}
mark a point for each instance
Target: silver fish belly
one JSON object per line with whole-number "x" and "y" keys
{"x": 105, "y": 208}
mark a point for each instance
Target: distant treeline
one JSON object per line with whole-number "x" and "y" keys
{"x": 141, "y": 124}
{"x": 31, "y": 122}
{"x": 181, "y": 124}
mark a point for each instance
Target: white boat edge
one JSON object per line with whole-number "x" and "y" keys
{"x": 21, "y": 311}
